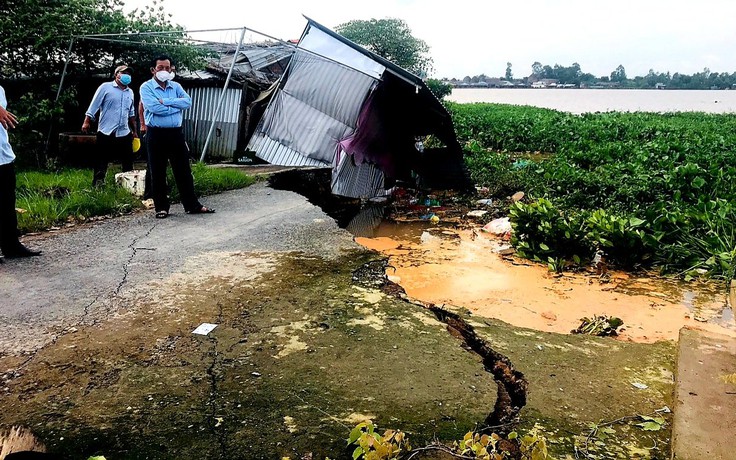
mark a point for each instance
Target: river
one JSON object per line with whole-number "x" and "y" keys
{"x": 604, "y": 100}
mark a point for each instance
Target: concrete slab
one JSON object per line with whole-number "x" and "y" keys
{"x": 705, "y": 401}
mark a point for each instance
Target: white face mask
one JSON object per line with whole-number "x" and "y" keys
{"x": 163, "y": 75}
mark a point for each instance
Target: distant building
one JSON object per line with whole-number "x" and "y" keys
{"x": 545, "y": 83}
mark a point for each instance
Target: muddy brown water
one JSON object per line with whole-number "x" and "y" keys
{"x": 463, "y": 267}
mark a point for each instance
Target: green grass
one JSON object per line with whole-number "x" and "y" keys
{"x": 209, "y": 181}
{"x": 55, "y": 198}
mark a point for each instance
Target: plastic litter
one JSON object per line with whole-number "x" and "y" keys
{"x": 204, "y": 329}
{"x": 499, "y": 226}
{"x": 477, "y": 213}
{"x": 427, "y": 237}
{"x": 485, "y": 202}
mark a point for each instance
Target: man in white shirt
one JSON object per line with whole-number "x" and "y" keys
{"x": 116, "y": 126}
{"x": 9, "y": 244}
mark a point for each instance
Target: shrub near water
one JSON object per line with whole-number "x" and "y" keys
{"x": 664, "y": 181}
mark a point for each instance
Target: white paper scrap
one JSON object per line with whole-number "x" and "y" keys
{"x": 204, "y": 328}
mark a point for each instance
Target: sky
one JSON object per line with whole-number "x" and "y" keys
{"x": 473, "y": 37}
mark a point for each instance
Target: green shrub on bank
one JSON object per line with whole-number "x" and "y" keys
{"x": 657, "y": 187}
{"x": 52, "y": 199}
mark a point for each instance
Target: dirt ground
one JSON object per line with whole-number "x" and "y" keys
{"x": 303, "y": 349}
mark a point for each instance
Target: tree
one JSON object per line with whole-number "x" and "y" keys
{"x": 619, "y": 75}
{"x": 509, "y": 74}
{"x": 36, "y": 36}
{"x": 439, "y": 88}
{"x": 537, "y": 69}
{"x": 391, "y": 39}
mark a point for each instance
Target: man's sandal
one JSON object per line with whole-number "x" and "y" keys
{"x": 201, "y": 210}
{"x": 162, "y": 214}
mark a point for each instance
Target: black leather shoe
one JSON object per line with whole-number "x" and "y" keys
{"x": 20, "y": 251}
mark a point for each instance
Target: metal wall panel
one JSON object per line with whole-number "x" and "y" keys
{"x": 362, "y": 180}
{"x": 198, "y": 118}
{"x": 276, "y": 153}
{"x": 317, "y": 108}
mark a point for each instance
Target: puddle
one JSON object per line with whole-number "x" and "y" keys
{"x": 442, "y": 265}
{"x": 463, "y": 268}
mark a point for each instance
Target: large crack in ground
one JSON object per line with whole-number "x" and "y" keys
{"x": 379, "y": 356}
{"x": 86, "y": 311}
{"x": 512, "y": 385}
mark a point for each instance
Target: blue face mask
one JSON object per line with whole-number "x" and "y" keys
{"x": 125, "y": 79}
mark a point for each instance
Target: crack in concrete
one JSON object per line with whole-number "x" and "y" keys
{"x": 214, "y": 422}
{"x": 512, "y": 385}
{"x": 15, "y": 373}
{"x": 135, "y": 250}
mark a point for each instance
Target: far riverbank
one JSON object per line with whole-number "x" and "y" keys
{"x": 604, "y": 100}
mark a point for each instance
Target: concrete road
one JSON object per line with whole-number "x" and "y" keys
{"x": 82, "y": 271}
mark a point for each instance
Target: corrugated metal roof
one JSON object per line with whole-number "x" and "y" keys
{"x": 356, "y": 180}
{"x": 254, "y": 61}
{"x": 260, "y": 58}
{"x": 400, "y": 71}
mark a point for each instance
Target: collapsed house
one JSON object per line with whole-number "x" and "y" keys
{"x": 342, "y": 107}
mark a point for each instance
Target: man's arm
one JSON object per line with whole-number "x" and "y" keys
{"x": 131, "y": 125}
{"x": 131, "y": 116}
{"x": 153, "y": 104}
{"x": 94, "y": 107}
{"x": 182, "y": 100}
{"x": 142, "y": 118}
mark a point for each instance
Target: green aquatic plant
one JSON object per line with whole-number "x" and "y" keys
{"x": 642, "y": 188}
